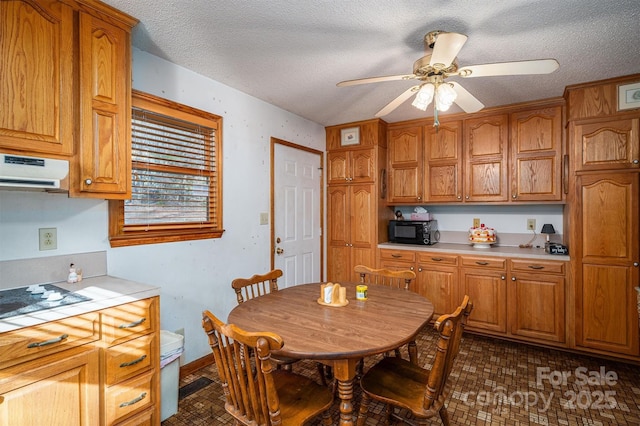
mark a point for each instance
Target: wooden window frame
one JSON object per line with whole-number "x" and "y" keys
{"x": 121, "y": 235}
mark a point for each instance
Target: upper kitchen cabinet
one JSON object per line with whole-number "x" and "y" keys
{"x": 354, "y": 166}
{"x": 37, "y": 77}
{"x": 606, "y": 144}
{"x": 406, "y": 163}
{"x": 486, "y": 172}
{"x": 65, "y": 89}
{"x": 536, "y": 154}
{"x": 443, "y": 162}
{"x": 103, "y": 161}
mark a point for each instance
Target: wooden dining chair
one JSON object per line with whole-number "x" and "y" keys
{"x": 391, "y": 278}
{"x": 399, "y": 383}
{"x": 388, "y": 277}
{"x": 255, "y": 392}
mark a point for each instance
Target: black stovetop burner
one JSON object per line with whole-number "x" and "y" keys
{"x": 19, "y": 301}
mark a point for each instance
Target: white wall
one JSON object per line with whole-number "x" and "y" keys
{"x": 193, "y": 275}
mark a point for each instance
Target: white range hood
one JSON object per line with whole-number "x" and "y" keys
{"x": 21, "y": 172}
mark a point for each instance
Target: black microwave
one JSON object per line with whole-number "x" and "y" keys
{"x": 423, "y": 232}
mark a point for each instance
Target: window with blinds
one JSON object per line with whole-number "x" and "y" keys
{"x": 175, "y": 188}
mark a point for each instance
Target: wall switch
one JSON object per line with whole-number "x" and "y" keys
{"x": 476, "y": 223}
{"x": 48, "y": 238}
{"x": 264, "y": 218}
{"x": 531, "y": 224}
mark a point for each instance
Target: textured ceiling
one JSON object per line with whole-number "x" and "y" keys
{"x": 292, "y": 53}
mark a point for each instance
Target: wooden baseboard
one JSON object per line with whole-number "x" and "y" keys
{"x": 196, "y": 365}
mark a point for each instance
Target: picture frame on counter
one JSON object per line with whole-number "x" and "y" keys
{"x": 350, "y": 136}
{"x": 629, "y": 96}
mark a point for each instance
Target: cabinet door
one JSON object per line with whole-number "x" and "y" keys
{"x": 443, "y": 162}
{"x": 36, "y": 77}
{"x": 362, "y": 165}
{"x": 607, "y": 144}
{"x": 405, "y": 165}
{"x": 608, "y": 256}
{"x": 536, "y": 306}
{"x": 338, "y": 167}
{"x": 103, "y": 167}
{"x": 438, "y": 284}
{"x": 536, "y": 157}
{"x": 486, "y": 159}
{"x": 487, "y": 290}
{"x": 67, "y": 383}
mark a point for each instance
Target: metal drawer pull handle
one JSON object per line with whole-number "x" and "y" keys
{"x": 396, "y": 255}
{"x": 536, "y": 267}
{"x": 132, "y": 324}
{"x": 48, "y": 342}
{"x": 142, "y": 396}
{"x": 134, "y": 362}
{"x": 436, "y": 259}
{"x": 482, "y": 263}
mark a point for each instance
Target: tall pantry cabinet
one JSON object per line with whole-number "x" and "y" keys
{"x": 604, "y": 215}
{"x": 356, "y": 187}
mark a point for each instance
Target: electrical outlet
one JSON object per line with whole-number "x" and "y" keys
{"x": 48, "y": 238}
{"x": 531, "y": 224}
{"x": 264, "y": 218}
{"x": 476, "y": 222}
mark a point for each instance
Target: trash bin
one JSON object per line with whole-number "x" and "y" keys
{"x": 171, "y": 347}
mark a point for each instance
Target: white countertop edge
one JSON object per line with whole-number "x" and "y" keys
{"x": 105, "y": 292}
{"x": 502, "y": 251}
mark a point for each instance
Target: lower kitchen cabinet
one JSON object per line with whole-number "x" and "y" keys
{"x": 437, "y": 280}
{"x": 57, "y": 390}
{"x": 98, "y": 368}
{"x": 484, "y": 281}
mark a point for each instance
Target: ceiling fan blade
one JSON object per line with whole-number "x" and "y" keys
{"x": 376, "y": 79}
{"x": 446, "y": 49}
{"x": 397, "y": 101}
{"x": 540, "y": 66}
{"x": 466, "y": 100}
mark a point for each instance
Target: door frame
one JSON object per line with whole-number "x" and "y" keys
{"x": 272, "y": 207}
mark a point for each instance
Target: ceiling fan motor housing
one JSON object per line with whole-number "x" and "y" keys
{"x": 422, "y": 67}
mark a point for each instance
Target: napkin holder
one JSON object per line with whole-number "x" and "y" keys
{"x": 333, "y": 294}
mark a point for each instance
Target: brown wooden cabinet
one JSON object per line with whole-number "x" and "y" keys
{"x": 356, "y": 214}
{"x": 443, "y": 162}
{"x": 102, "y": 366}
{"x": 486, "y": 171}
{"x": 607, "y": 257}
{"x": 37, "y": 112}
{"x": 483, "y": 279}
{"x": 70, "y": 94}
{"x": 606, "y": 144}
{"x": 536, "y": 154}
{"x": 103, "y": 161}
{"x": 406, "y": 163}
{"x": 536, "y": 300}
{"x": 57, "y": 390}
{"x": 353, "y": 166}
{"x": 437, "y": 279}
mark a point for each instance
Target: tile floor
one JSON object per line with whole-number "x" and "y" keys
{"x": 493, "y": 383}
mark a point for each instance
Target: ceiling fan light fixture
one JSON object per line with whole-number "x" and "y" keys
{"x": 424, "y": 97}
{"x": 445, "y": 96}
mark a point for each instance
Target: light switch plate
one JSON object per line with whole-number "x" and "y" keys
{"x": 264, "y": 218}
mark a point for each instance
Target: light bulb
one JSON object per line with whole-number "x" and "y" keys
{"x": 445, "y": 96}
{"x": 424, "y": 97}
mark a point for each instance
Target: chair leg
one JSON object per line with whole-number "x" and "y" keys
{"x": 413, "y": 352}
{"x": 364, "y": 409}
{"x": 323, "y": 379}
{"x": 326, "y": 418}
{"x": 444, "y": 416}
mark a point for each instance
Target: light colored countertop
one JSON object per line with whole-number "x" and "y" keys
{"x": 104, "y": 291}
{"x": 467, "y": 249}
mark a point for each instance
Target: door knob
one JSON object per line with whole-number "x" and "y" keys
{"x": 279, "y": 251}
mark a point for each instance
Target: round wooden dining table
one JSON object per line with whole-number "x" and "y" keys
{"x": 337, "y": 336}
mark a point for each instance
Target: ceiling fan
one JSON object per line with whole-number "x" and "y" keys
{"x": 439, "y": 63}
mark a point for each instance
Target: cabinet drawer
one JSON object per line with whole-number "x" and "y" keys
{"x": 125, "y": 322}
{"x": 404, "y": 255}
{"x": 537, "y": 266}
{"x": 437, "y": 259}
{"x": 130, "y": 396}
{"x": 45, "y": 339}
{"x": 130, "y": 358}
{"x": 484, "y": 262}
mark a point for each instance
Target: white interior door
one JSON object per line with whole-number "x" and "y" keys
{"x": 296, "y": 211}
